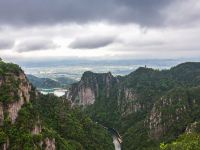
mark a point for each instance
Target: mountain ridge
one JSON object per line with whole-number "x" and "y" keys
{"x": 30, "y": 120}
{"x": 138, "y": 96}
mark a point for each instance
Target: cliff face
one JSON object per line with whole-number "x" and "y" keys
{"x": 96, "y": 86}
{"x": 128, "y": 101}
{"x": 162, "y": 102}
{"x": 26, "y": 120}
{"x": 173, "y": 112}
{"x": 15, "y": 93}
{"x": 15, "y": 96}
{"x": 50, "y": 144}
{"x": 91, "y": 86}
{"x": 1, "y": 114}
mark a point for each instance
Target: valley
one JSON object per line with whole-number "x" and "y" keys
{"x": 150, "y": 108}
{"x": 99, "y": 75}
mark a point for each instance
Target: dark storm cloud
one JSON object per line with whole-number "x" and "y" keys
{"x": 6, "y": 44}
{"x": 91, "y": 42}
{"x": 35, "y": 45}
{"x": 30, "y": 12}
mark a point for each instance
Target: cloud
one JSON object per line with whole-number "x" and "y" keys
{"x": 6, "y": 44}
{"x": 36, "y": 45}
{"x": 182, "y": 13}
{"x": 30, "y": 12}
{"x": 91, "y": 42}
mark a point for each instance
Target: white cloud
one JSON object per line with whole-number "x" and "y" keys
{"x": 130, "y": 41}
{"x": 182, "y": 13}
{"x": 35, "y": 45}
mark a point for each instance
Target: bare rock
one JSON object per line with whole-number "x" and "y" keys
{"x": 50, "y": 144}
{"x": 1, "y": 114}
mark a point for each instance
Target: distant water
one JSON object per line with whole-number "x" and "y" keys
{"x": 56, "y": 91}
{"x": 75, "y": 70}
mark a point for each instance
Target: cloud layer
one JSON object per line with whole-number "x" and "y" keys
{"x": 94, "y": 29}
{"x": 35, "y": 45}
{"x": 6, "y": 44}
{"x": 91, "y": 42}
{"x": 29, "y": 12}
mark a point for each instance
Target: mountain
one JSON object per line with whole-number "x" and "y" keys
{"x": 59, "y": 82}
{"x": 151, "y": 109}
{"x": 43, "y": 82}
{"x": 29, "y": 120}
{"x": 147, "y": 106}
{"x": 65, "y": 81}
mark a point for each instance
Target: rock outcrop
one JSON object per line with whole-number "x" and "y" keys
{"x": 6, "y": 145}
{"x": 24, "y": 90}
{"x": 127, "y": 101}
{"x": 193, "y": 127}
{"x": 17, "y": 92}
{"x": 37, "y": 129}
{"x": 1, "y": 114}
{"x": 156, "y": 127}
{"x": 90, "y": 87}
{"x": 49, "y": 144}
{"x": 173, "y": 112}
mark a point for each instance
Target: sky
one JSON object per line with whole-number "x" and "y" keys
{"x": 41, "y": 30}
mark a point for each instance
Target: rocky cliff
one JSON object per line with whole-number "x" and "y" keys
{"x": 15, "y": 92}
{"x": 158, "y": 103}
{"x": 15, "y": 95}
{"x": 91, "y": 86}
{"x": 174, "y": 112}
{"x": 30, "y": 120}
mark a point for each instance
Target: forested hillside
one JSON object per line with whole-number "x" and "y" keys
{"x": 29, "y": 120}
{"x": 151, "y": 109}
{"x": 148, "y": 107}
{"x": 59, "y": 82}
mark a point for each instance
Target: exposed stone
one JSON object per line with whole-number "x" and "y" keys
{"x": 127, "y": 101}
{"x": 87, "y": 96}
{"x": 49, "y": 144}
{"x": 1, "y": 114}
{"x": 1, "y": 81}
{"x": 155, "y": 126}
{"x": 92, "y": 85}
{"x": 193, "y": 127}
{"x": 129, "y": 94}
{"x": 6, "y": 145}
{"x": 23, "y": 94}
{"x": 37, "y": 129}
{"x": 87, "y": 89}
{"x": 14, "y": 108}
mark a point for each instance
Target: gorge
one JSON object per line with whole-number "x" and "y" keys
{"x": 151, "y": 109}
{"x": 147, "y": 106}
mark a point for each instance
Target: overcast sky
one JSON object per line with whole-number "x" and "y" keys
{"x": 95, "y": 29}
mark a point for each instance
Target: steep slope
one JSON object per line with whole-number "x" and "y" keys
{"x": 16, "y": 111}
{"x": 76, "y": 128}
{"x": 172, "y": 113}
{"x": 30, "y": 121}
{"x": 189, "y": 140}
{"x": 146, "y": 104}
{"x": 87, "y": 90}
{"x": 15, "y": 90}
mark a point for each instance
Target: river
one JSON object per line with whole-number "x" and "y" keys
{"x": 116, "y": 143}
{"x": 117, "y": 139}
